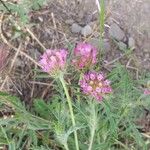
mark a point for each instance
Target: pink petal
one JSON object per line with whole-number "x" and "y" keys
{"x": 147, "y": 91}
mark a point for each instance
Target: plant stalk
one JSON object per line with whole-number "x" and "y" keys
{"x": 93, "y": 122}
{"x": 91, "y": 139}
{"x": 78, "y": 90}
{"x": 66, "y": 146}
{"x": 70, "y": 109}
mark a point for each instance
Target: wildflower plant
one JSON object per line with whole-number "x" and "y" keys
{"x": 54, "y": 62}
{"x": 93, "y": 84}
{"x": 101, "y": 115}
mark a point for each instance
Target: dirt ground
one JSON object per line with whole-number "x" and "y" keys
{"x": 134, "y": 18}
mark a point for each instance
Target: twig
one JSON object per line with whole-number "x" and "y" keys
{"x": 34, "y": 37}
{"x": 46, "y": 90}
{"x": 146, "y": 135}
{"x": 3, "y": 3}
{"x": 11, "y": 46}
{"x": 40, "y": 83}
{"x": 33, "y": 85}
{"x": 113, "y": 61}
{"x": 54, "y": 23}
{"x": 133, "y": 68}
{"x": 11, "y": 67}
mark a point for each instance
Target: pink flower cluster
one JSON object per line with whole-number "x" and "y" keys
{"x": 147, "y": 91}
{"x": 53, "y": 61}
{"x": 85, "y": 56}
{"x": 95, "y": 85}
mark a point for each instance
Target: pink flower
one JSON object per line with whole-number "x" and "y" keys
{"x": 85, "y": 56}
{"x": 53, "y": 61}
{"x": 95, "y": 85}
{"x": 147, "y": 91}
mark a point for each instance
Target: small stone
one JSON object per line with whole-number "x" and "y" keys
{"x": 40, "y": 19}
{"x": 116, "y": 32}
{"x": 122, "y": 46}
{"x": 75, "y": 28}
{"x": 87, "y": 30}
{"x": 131, "y": 43}
{"x": 145, "y": 50}
{"x": 147, "y": 55}
{"x": 69, "y": 21}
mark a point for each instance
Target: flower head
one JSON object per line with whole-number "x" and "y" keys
{"x": 85, "y": 56}
{"x": 147, "y": 91}
{"x": 53, "y": 61}
{"x": 95, "y": 85}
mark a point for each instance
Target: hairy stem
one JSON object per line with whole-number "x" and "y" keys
{"x": 71, "y": 110}
{"x": 78, "y": 90}
{"x": 66, "y": 146}
{"x": 93, "y": 122}
{"x": 91, "y": 139}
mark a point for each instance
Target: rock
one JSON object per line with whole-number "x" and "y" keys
{"x": 69, "y": 21}
{"x": 147, "y": 56}
{"x": 122, "y": 46}
{"x": 87, "y": 30}
{"x": 131, "y": 43}
{"x": 145, "y": 50}
{"x": 116, "y": 32}
{"x": 75, "y": 28}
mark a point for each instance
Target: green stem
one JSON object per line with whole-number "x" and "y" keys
{"x": 93, "y": 125}
{"x": 102, "y": 21}
{"x": 66, "y": 146}
{"x": 91, "y": 139}
{"x": 71, "y": 110}
{"x": 78, "y": 90}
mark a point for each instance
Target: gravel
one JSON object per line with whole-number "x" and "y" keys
{"x": 131, "y": 43}
{"x": 69, "y": 21}
{"x": 87, "y": 30}
{"x": 116, "y": 32}
{"x": 75, "y": 28}
{"x": 122, "y": 46}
